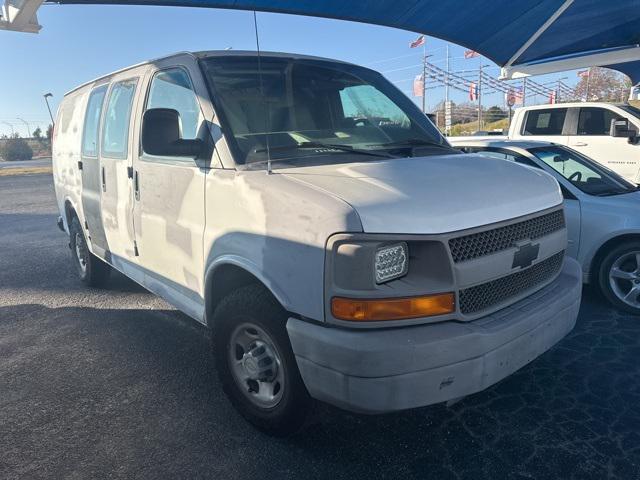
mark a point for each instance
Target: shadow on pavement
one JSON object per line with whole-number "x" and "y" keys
{"x": 86, "y": 392}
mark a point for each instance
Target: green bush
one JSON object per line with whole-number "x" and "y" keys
{"x": 16, "y": 149}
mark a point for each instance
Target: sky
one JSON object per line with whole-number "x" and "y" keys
{"x": 81, "y": 42}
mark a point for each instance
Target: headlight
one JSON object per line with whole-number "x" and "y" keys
{"x": 391, "y": 262}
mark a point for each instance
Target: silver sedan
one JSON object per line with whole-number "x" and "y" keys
{"x": 602, "y": 213}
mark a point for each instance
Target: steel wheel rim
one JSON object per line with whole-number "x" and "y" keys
{"x": 624, "y": 278}
{"x": 256, "y": 365}
{"x": 80, "y": 254}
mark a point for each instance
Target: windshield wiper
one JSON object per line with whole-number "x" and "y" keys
{"x": 413, "y": 144}
{"x": 328, "y": 146}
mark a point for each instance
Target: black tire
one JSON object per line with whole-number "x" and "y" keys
{"x": 254, "y": 305}
{"x": 94, "y": 272}
{"x": 618, "y": 252}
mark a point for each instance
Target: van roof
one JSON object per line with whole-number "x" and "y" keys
{"x": 207, "y": 54}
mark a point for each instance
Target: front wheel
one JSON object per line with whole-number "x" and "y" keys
{"x": 619, "y": 277}
{"x": 255, "y": 362}
{"x": 92, "y": 271}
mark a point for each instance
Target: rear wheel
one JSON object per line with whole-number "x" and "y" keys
{"x": 619, "y": 277}
{"x": 91, "y": 270}
{"x": 255, "y": 362}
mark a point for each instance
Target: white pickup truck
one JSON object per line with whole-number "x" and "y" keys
{"x": 605, "y": 132}
{"x": 308, "y": 213}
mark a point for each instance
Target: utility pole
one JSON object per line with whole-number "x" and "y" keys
{"x": 46, "y": 99}
{"x": 480, "y": 96}
{"x": 424, "y": 78}
{"x": 446, "y": 85}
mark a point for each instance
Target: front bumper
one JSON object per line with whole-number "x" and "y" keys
{"x": 376, "y": 371}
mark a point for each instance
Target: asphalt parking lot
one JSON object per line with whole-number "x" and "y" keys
{"x": 116, "y": 384}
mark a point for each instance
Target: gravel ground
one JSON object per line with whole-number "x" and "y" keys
{"x": 115, "y": 383}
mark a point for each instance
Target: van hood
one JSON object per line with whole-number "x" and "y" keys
{"x": 435, "y": 194}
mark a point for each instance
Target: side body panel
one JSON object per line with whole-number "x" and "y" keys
{"x": 67, "y": 177}
{"x": 275, "y": 228}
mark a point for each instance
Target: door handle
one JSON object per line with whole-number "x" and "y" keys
{"x": 104, "y": 181}
{"x": 136, "y": 185}
{"x": 579, "y": 144}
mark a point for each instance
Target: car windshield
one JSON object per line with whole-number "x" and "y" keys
{"x": 296, "y": 108}
{"x": 582, "y": 172}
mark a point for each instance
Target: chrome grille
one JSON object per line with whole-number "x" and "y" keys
{"x": 484, "y": 243}
{"x": 484, "y": 296}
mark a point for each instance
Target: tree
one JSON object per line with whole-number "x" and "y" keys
{"x": 494, "y": 114}
{"x": 37, "y": 133}
{"x": 49, "y": 132}
{"x": 603, "y": 85}
{"x": 16, "y": 149}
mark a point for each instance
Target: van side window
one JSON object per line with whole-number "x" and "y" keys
{"x": 172, "y": 89}
{"x": 92, "y": 122}
{"x": 115, "y": 127}
{"x": 545, "y": 122}
{"x": 595, "y": 121}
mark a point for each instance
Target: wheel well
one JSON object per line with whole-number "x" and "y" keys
{"x": 605, "y": 248}
{"x": 224, "y": 280}
{"x": 69, "y": 212}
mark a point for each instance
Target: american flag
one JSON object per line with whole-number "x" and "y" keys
{"x": 552, "y": 97}
{"x": 418, "y": 86}
{"x": 471, "y": 54}
{"x": 583, "y": 73}
{"x": 473, "y": 92}
{"x": 417, "y": 42}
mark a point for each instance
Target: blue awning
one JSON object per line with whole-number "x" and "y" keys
{"x": 524, "y": 36}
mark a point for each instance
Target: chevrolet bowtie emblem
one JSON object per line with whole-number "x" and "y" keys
{"x": 525, "y": 255}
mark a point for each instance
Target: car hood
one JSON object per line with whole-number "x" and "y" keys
{"x": 435, "y": 194}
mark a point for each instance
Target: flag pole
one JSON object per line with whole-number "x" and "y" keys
{"x": 588, "y": 82}
{"x": 424, "y": 78}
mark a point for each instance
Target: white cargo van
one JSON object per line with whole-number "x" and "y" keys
{"x": 605, "y": 132}
{"x": 313, "y": 217}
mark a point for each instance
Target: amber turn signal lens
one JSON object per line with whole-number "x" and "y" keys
{"x": 373, "y": 310}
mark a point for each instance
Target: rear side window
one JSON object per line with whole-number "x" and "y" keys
{"x": 545, "y": 122}
{"x": 92, "y": 122}
{"x": 115, "y": 127}
{"x": 595, "y": 121}
{"x": 172, "y": 89}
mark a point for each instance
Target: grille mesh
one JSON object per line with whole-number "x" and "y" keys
{"x": 484, "y": 243}
{"x": 483, "y": 296}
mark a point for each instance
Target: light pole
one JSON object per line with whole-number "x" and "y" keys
{"x": 27, "y": 124}
{"x": 11, "y": 126}
{"x": 46, "y": 99}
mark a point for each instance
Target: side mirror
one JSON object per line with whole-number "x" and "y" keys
{"x": 622, "y": 129}
{"x": 162, "y": 135}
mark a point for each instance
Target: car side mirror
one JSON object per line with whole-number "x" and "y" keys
{"x": 622, "y": 129}
{"x": 162, "y": 135}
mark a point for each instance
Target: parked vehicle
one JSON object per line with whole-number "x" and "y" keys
{"x": 336, "y": 256}
{"x": 605, "y": 132}
{"x": 601, "y": 208}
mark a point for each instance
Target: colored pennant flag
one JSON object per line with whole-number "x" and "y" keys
{"x": 471, "y": 54}
{"x": 418, "y": 86}
{"x": 418, "y": 42}
{"x": 473, "y": 92}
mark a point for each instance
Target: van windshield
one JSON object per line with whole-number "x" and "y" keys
{"x": 302, "y": 108}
